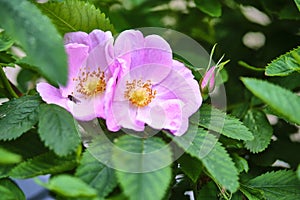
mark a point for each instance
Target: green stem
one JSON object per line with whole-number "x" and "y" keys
{"x": 6, "y": 84}
{"x": 243, "y": 64}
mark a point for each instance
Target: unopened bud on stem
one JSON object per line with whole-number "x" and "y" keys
{"x": 207, "y": 83}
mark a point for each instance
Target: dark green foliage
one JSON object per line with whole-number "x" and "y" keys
{"x": 5, "y": 41}
{"x": 69, "y": 186}
{"x": 218, "y": 121}
{"x": 285, "y": 64}
{"x": 47, "y": 163}
{"x": 9, "y": 190}
{"x": 147, "y": 171}
{"x": 18, "y": 116}
{"x": 276, "y": 185}
{"x": 205, "y": 147}
{"x": 261, "y": 129}
{"x": 96, "y": 174}
{"x": 58, "y": 129}
{"x": 72, "y": 15}
{"x": 282, "y": 101}
{"x": 26, "y": 24}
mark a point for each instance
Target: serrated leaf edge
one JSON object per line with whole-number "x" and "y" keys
{"x": 278, "y": 58}
{"x": 29, "y": 161}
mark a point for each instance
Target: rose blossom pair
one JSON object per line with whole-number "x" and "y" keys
{"x": 130, "y": 82}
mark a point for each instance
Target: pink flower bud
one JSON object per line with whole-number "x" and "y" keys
{"x": 208, "y": 81}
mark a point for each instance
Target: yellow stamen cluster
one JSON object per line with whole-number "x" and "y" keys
{"x": 139, "y": 93}
{"x": 90, "y": 82}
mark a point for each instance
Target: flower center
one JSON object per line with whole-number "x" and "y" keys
{"x": 90, "y": 83}
{"x": 139, "y": 93}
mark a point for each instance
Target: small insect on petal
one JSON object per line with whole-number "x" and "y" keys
{"x": 74, "y": 99}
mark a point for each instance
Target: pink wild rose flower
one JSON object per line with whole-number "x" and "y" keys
{"x": 152, "y": 88}
{"x": 88, "y": 75}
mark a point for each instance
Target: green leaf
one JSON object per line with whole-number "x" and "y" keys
{"x": 7, "y": 157}
{"x": 4, "y": 170}
{"x": 69, "y": 186}
{"x": 290, "y": 82}
{"x": 47, "y": 163}
{"x": 39, "y": 38}
{"x": 5, "y": 41}
{"x": 142, "y": 155}
{"x": 210, "y": 7}
{"x": 283, "y": 101}
{"x": 259, "y": 125}
{"x": 240, "y": 163}
{"x": 147, "y": 185}
{"x": 252, "y": 193}
{"x": 297, "y": 2}
{"x": 58, "y": 129}
{"x": 236, "y": 196}
{"x": 214, "y": 157}
{"x": 10, "y": 191}
{"x": 72, "y": 15}
{"x": 96, "y": 174}
{"x": 191, "y": 166}
{"x": 18, "y": 116}
{"x": 140, "y": 159}
{"x": 216, "y": 120}
{"x": 278, "y": 185}
{"x": 33, "y": 148}
{"x": 7, "y": 59}
{"x": 285, "y": 64}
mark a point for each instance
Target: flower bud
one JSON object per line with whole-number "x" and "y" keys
{"x": 207, "y": 83}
